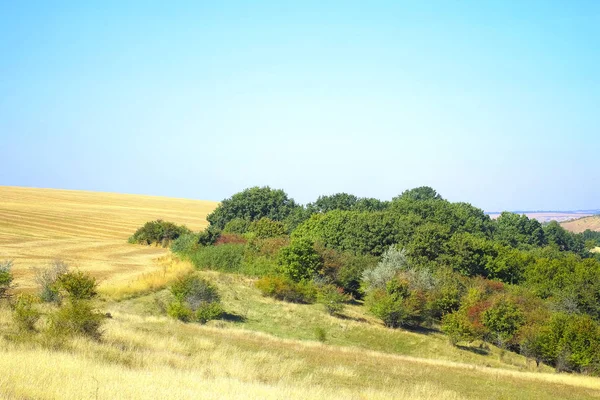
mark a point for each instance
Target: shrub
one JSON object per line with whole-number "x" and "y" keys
{"x": 283, "y": 288}
{"x": 458, "y": 328}
{"x": 226, "y": 257}
{"x": 300, "y": 261}
{"x": 503, "y": 320}
{"x": 195, "y": 299}
{"x": 398, "y": 305}
{"x": 267, "y": 228}
{"x": 208, "y": 312}
{"x": 333, "y": 298}
{"x": 185, "y": 244}
{"x": 180, "y": 311}
{"x": 48, "y": 278}
{"x": 158, "y": 232}
{"x": 77, "y": 285}
{"x": 77, "y": 317}
{"x": 237, "y": 225}
{"x": 230, "y": 238}
{"x": 392, "y": 261}
{"x": 6, "y": 278}
{"x": 24, "y": 313}
{"x": 321, "y": 334}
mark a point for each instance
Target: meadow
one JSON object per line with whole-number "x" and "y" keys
{"x": 581, "y": 224}
{"x": 261, "y": 349}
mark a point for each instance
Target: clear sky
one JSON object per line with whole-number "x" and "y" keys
{"x": 492, "y": 102}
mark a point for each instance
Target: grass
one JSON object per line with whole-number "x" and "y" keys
{"x": 87, "y": 229}
{"x": 596, "y": 250}
{"x": 581, "y": 224}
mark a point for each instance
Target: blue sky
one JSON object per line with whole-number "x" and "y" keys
{"x": 496, "y": 103}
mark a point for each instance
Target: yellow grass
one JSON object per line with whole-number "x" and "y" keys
{"x": 581, "y": 224}
{"x": 157, "y": 358}
{"x": 596, "y": 250}
{"x": 88, "y": 230}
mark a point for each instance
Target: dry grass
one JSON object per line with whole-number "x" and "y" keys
{"x": 157, "y": 358}
{"x": 89, "y": 230}
{"x": 596, "y": 250}
{"x": 581, "y": 224}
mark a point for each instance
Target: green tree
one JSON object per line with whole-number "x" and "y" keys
{"x": 253, "y": 204}
{"x": 300, "y": 261}
{"x": 267, "y": 228}
{"x": 6, "y": 278}
{"x": 420, "y": 194}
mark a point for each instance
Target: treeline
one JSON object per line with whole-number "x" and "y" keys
{"x": 417, "y": 260}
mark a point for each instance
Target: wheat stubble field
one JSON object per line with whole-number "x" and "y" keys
{"x": 88, "y": 230}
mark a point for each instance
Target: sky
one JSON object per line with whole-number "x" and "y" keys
{"x": 496, "y": 103}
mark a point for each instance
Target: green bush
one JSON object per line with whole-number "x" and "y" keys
{"x": 195, "y": 299}
{"x": 185, "y": 244}
{"x": 458, "y": 328}
{"x": 225, "y": 258}
{"x": 158, "y": 232}
{"x": 267, "y": 228}
{"x": 24, "y": 313}
{"x": 238, "y": 226}
{"x": 48, "y": 279}
{"x": 180, "y": 311}
{"x": 285, "y": 289}
{"x": 208, "y": 312}
{"x": 6, "y": 278}
{"x": 332, "y": 298}
{"x": 398, "y": 305}
{"x": 77, "y": 285}
{"x": 300, "y": 261}
{"x": 77, "y": 317}
{"x": 503, "y": 319}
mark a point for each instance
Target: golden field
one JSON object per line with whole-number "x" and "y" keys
{"x": 86, "y": 229}
{"x": 581, "y": 224}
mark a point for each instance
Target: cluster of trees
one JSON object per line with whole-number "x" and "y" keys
{"x": 417, "y": 260}
{"x": 159, "y": 233}
{"x": 69, "y": 297}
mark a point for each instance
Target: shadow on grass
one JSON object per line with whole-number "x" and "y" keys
{"x": 348, "y": 318}
{"x": 420, "y": 330}
{"x": 476, "y": 350}
{"x": 233, "y": 318}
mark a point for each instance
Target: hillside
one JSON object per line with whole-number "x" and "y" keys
{"x": 87, "y": 229}
{"x": 262, "y": 348}
{"x": 582, "y": 224}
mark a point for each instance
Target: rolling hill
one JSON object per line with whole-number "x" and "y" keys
{"x": 581, "y": 224}
{"x": 88, "y": 230}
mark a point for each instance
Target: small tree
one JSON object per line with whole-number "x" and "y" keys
{"x": 267, "y": 228}
{"x": 6, "y": 278}
{"x": 392, "y": 261}
{"x": 300, "y": 261}
{"x": 194, "y": 299}
{"x": 78, "y": 285}
{"x": 48, "y": 278}
{"x": 332, "y": 298}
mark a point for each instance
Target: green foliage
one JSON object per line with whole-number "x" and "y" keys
{"x": 6, "y": 278}
{"x": 503, "y": 320}
{"x": 225, "y": 258}
{"x": 194, "y": 299}
{"x": 266, "y": 228}
{"x": 353, "y": 231}
{"x": 24, "y": 313}
{"x": 563, "y": 239}
{"x": 517, "y": 230}
{"x": 321, "y": 334}
{"x": 300, "y": 261}
{"x": 185, "y": 244}
{"x": 77, "y": 317}
{"x": 253, "y": 204}
{"x": 48, "y": 278}
{"x": 285, "y": 289}
{"x": 458, "y": 328}
{"x": 77, "y": 285}
{"x": 208, "y": 312}
{"x": 158, "y": 232}
{"x": 237, "y": 225}
{"x": 332, "y": 298}
{"x": 419, "y": 194}
{"x": 398, "y": 305}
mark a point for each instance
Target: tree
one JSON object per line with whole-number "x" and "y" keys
{"x": 253, "y": 204}
{"x": 420, "y": 194}
{"x": 267, "y": 228}
{"x": 6, "y": 278}
{"x": 516, "y": 230}
{"x": 300, "y": 261}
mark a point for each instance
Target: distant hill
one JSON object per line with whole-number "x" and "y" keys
{"x": 547, "y": 216}
{"x": 581, "y": 224}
